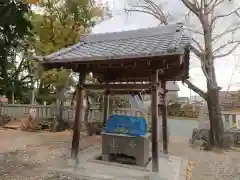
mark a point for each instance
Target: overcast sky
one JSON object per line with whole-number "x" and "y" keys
{"x": 226, "y": 75}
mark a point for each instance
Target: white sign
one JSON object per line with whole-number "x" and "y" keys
{"x": 33, "y": 113}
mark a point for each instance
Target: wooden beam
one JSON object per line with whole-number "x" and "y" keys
{"x": 122, "y": 92}
{"x": 126, "y": 92}
{"x": 78, "y": 114}
{"x": 116, "y": 86}
{"x": 106, "y": 107}
{"x": 122, "y": 88}
{"x": 171, "y": 74}
{"x": 163, "y": 107}
{"x": 155, "y": 128}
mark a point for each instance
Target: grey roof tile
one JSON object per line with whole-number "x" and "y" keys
{"x": 170, "y": 39}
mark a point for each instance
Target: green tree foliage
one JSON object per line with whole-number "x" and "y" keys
{"x": 14, "y": 27}
{"x": 60, "y": 26}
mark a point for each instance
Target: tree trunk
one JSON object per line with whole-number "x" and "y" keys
{"x": 61, "y": 109}
{"x": 40, "y": 87}
{"x": 33, "y": 96}
{"x": 9, "y": 97}
{"x": 207, "y": 62}
{"x": 216, "y": 124}
{"x": 13, "y": 97}
{"x": 87, "y": 113}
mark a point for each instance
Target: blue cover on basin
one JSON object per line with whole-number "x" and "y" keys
{"x": 132, "y": 125}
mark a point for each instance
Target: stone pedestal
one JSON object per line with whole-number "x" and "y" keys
{"x": 202, "y": 132}
{"x": 135, "y": 146}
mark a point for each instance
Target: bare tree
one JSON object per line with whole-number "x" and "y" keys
{"x": 206, "y": 13}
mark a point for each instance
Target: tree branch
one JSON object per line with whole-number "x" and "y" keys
{"x": 151, "y": 5}
{"x": 187, "y": 16}
{"x": 144, "y": 11}
{"x": 197, "y": 4}
{"x": 195, "y": 51}
{"x": 213, "y": 4}
{"x": 225, "y": 15}
{"x": 225, "y": 32}
{"x": 158, "y": 10}
{"x": 146, "y": 8}
{"x": 201, "y": 58}
{"x": 194, "y": 31}
{"x": 19, "y": 68}
{"x": 154, "y": 5}
{"x": 192, "y": 7}
{"x": 237, "y": 43}
{"x": 150, "y": 8}
{"x": 198, "y": 45}
{"x": 196, "y": 89}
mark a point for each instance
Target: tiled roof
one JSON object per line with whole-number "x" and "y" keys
{"x": 159, "y": 41}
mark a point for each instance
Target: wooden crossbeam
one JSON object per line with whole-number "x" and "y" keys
{"x": 138, "y": 87}
{"x": 122, "y": 88}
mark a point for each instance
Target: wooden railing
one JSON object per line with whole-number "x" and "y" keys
{"x": 45, "y": 111}
{"x": 231, "y": 120}
{"x": 16, "y": 110}
{"x": 96, "y": 115}
{"x": 128, "y": 112}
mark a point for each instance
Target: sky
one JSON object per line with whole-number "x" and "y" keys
{"x": 228, "y": 76}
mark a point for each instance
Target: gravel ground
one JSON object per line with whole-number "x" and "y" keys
{"x": 27, "y": 156}
{"x": 208, "y": 165}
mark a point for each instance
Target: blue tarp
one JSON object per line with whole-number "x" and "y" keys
{"x": 131, "y": 125}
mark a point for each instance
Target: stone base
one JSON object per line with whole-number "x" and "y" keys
{"x": 89, "y": 168}
{"x": 203, "y": 135}
{"x": 73, "y": 163}
{"x": 199, "y": 134}
{"x": 105, "y": 157}
{"x": 133, "y": 146}
{"x": 157, "y": 176}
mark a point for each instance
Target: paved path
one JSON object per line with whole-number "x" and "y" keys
{"x": 181, "y": 127}
{"x": 89, "y": 168}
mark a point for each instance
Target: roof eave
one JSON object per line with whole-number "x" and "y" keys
{"x": 103, "y": 58}
{"x": 38, "y": 58}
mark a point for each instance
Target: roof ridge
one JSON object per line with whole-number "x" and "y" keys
{"x": 64, "y": 51}
{"x": 126, "y": 38}
{"x": 173, "y": 45}
{"x": 137, "y": 33}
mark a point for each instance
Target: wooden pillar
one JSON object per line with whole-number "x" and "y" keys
{"x": 164, "y": 117}
{"x": 155, "y": 119}
{"x": 106, "y": 107}
{"x": 77, "y": 122}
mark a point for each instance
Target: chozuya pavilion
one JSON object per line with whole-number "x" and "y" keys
{"x": 128, "y": 62}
